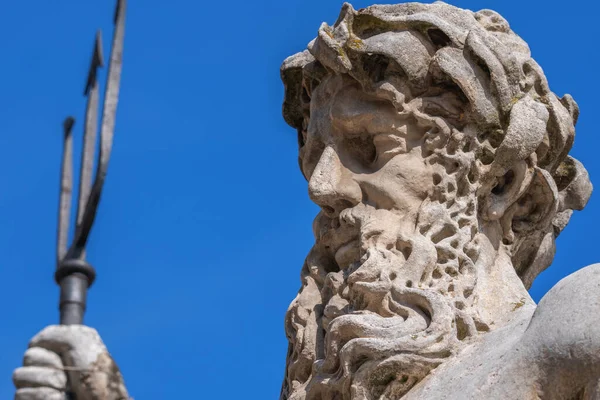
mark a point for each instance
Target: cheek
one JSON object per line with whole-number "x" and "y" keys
{"x": 402, "y": 183}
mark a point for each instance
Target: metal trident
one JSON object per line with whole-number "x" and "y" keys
{"x": 74, "y": 274}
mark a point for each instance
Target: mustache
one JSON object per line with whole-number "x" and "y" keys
{"x": 362, "y": 223}
{"x": 345, "y": 242}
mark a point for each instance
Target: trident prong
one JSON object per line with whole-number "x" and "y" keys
{"x": 97, "y": 61}
{"x": 90, "y": 130}
{"x": 66, "y": 189}
{"x": 73, "y": 273}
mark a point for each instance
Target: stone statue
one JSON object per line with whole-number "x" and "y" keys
{"x": 438, "y": 155}
{"x": 431, "y": 141}
{"x": 65, "y": 361}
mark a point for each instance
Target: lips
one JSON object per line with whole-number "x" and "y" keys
{"x": 347, "y": 254}
{"x": 342, "y": 245}
{"x": 339, "y": 238}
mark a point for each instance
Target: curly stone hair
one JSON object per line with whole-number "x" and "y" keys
{"x": 514, "y": 131}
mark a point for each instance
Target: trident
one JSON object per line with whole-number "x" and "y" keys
{"x": 74, "y": 274}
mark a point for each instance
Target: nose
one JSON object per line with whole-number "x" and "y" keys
{"x": 332, "y": 186}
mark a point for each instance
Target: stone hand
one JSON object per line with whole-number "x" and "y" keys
{"x": 68, "y": 358}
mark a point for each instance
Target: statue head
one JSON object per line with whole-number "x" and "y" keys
{"x": 431, "y": 141}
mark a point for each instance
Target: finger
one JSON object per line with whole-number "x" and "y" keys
{"x": 34, "y": 377}
{"x": 55, "y": 338}
{"x": 39, "y": 394}
{"x": 60, "y": 339}
{"x": 41, "y": 357}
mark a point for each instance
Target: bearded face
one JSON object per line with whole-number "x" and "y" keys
{"x": 365, "y": 170}
{"x": 438, "y": 156}
{"x": 387, "y": 283}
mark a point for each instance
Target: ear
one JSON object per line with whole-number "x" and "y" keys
{"x": 524, "y": 200}
{"x": 507, "y": 189}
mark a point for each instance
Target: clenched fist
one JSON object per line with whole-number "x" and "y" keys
{"x": 64, "y": 359}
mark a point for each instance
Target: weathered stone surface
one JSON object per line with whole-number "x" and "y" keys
{"x": 550, "y": 352}
{"x": 438, "y": 154}
{"x": 37, "y": 356}
{"x": 73, "y": 352}
{"x": 40, "y": 376}
{"x": 39, "y": 393}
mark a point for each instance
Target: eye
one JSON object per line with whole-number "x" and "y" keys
{"x": 388, "y": 146}
{"x": 375, "y": 151}
{"x": 360, "y": 150}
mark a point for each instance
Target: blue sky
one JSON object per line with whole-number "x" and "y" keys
{"x": 205, "y": 218}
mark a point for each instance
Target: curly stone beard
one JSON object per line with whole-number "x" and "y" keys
{"x": 385, "y": 299}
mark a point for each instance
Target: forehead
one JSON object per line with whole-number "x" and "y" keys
{"x": 340, "y": 106}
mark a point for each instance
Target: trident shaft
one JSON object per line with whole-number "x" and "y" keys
{"x": 74, "y": 274}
